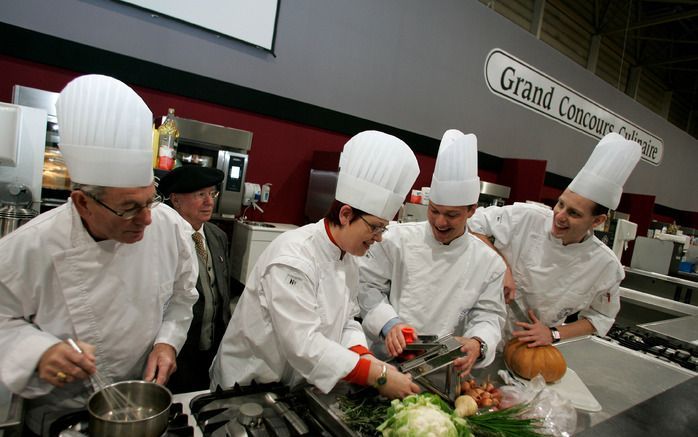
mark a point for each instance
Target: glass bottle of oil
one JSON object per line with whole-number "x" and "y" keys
{"x": 167, "y": 143}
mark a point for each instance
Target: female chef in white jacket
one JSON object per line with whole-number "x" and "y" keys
{"x": 295, "y": 319}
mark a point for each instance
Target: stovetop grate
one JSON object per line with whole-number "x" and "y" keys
{"x": 215, "y": 411}
{"x": 681, "y": 353}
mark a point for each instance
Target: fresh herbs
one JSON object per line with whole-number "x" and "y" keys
{"x": 365, "y": 414}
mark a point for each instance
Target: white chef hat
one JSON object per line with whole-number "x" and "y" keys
{"x": 602, "y": 177}
{"x": 455, "y": 181}
{"x": 106, "y": 133}
{"x": 376, "y": 171}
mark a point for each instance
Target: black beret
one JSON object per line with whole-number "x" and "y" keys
{"x": 189, "y": 178}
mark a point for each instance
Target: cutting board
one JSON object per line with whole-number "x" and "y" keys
{"x": 572, "y": 388}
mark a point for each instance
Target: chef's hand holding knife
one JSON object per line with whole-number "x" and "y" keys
{"x": 534, "y": 333}
{"x": 61, "y": 364}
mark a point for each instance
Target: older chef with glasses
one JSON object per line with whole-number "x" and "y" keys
{"x": 192, "y": 191}
{"x": 295, "y": 319}
{"x": 110, "y": 268}
{"x": 434, "y": 277}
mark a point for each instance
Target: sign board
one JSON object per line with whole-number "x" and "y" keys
{"x": 251, "y": 21}
{"x": 512, "y": 79}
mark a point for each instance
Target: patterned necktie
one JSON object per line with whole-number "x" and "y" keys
{"x": 200, "y": 248}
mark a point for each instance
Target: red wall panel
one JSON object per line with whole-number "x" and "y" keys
{"x": 281, "y": 151}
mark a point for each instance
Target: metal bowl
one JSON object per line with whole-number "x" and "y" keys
{"x": 148, "y": 418}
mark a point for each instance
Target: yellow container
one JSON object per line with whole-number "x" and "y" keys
{"x": 156, "y": 141}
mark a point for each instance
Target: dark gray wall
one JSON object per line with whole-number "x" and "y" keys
{"x": 416, "y": 65}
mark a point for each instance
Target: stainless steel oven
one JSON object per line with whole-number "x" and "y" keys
{"x": 225, "y": 148}
{"x": 55, "y": 181}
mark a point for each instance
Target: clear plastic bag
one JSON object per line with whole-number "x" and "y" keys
{"x": 558, "y": 414}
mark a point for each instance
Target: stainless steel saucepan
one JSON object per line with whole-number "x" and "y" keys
{"x": 149, "y": 405}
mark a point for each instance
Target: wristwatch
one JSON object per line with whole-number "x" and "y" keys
{"x": 483, "y": 348}
{"x": 556, "y": 334}
{"x": 382, "y": 378}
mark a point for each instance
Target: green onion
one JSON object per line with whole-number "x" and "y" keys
{"x": 505, "y": 423}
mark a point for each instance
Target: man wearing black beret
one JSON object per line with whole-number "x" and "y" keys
{"x": 192, "y": 192}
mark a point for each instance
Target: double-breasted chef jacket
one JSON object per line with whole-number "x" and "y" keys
{"x": 552, "y": 279}
{"x": 58, "y": 283}
{"x": 438, "y": 289}
{"x": 295, "y": 319}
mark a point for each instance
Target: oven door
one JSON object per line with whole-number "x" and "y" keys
{"x": 234, "y": 166}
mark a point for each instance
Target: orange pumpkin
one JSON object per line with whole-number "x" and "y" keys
{"x": 528, "y": 362}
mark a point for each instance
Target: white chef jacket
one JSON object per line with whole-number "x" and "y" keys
{"x": 58, "y": 283}
{"x": 295, "y": 318}
{"x": 552, "y": 279}
{"x": 436, "y": 288}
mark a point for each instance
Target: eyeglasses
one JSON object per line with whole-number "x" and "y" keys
{"x": 131, "y": 212}
{"x": 203, "y": 195}
{"x": 375, "y": 229}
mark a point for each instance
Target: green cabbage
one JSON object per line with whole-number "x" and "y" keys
{"x": 423, "y": 415}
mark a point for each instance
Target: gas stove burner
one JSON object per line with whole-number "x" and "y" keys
{"x": 246, "y": 410}
{"x": 675, "y": 351}
{"x": 177, "y": 425}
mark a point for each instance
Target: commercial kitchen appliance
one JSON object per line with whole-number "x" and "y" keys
{"x": 200, "y": 143}
{"x": 429, "y": 355}
{"x": 55, "y": 180}
{"x": 492, "y": 194}
{"x": 681, "y": 243}
{"x": 625, "y": 231}
{"x": 652, "y": 255}
{"x": 224, "y": 148}
{"x": 324, "y": 171}
{"x": 22, "y": 133}
{"x": 248, "y": 242}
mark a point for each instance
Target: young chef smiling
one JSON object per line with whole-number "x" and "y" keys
{"x": 108, "y": 268}
{"x": 558, "y": 265}
{"x": 295, "y": 319}
{"x": 434, "y": 276}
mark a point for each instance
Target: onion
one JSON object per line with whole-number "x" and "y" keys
{"x": 465, "y": 406}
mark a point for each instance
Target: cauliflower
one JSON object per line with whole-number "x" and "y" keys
{"x": 423, "y": 415}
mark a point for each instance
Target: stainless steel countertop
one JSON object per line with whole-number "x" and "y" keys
{"x": 679, "y": 308}
{"x": 672, "y": 279}
{"x": 618, "y": 377}
{"x": 682, "y": 328}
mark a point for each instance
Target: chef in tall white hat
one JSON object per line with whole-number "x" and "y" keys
{"x": 295, "y": 319}
{"x": 434, "y": 277}
{"x": 559, "y": 267}
{"x": 108, "y": 269}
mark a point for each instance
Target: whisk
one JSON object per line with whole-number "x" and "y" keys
{"x": 120, "y": 405}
